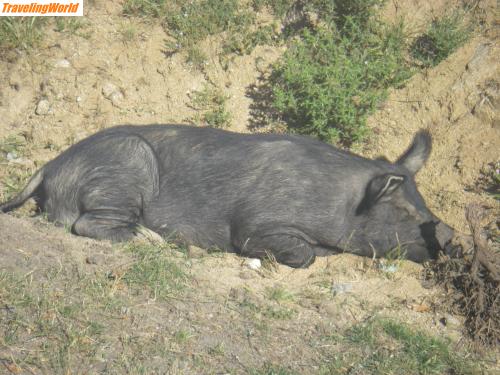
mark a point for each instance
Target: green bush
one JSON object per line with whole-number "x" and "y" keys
{"x": 333, "y": 77}
{"x": 442, "y": 38}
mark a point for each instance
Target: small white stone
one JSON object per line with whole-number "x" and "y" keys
{"x": 62, "y": 63}
{"x": 12, "y": 156}
{"x": 253, "y": 264}
{"x": 108, "y": 89}
{"x": 389, "y": 268}
{"x": 43, "y": 107}
{"x": 116, "y": 98}
{"x": 340, "y": 288}
{"x": 113, "y": 93}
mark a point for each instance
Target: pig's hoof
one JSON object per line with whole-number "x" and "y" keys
{"x": 145, "y": 235}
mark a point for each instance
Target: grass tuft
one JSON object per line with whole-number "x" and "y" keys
{"x": 20, "y": 32}
{"x": 442, "y": 38}
{"x": 145, "y": 8}
{"x": 271, "y": 369}
{"x": 154, "y": 271}
{"x": 211, "y": 101}
{"x": 384, "y": 346}
{"x": 194, "y": 21}
{"x": 279, "y": 294}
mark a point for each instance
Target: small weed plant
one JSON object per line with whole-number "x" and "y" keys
{"x": 279, "y": 294}
{"x": 145, "y": 8}
{"x": 442, "y": 38}
{"x": 20, "y": 32}
{"x": 211, "y": 101}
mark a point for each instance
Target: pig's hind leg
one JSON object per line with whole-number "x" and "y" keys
{"x": 114, "y": 194}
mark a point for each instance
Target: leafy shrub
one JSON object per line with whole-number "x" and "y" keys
{"x": 333, "y": 77}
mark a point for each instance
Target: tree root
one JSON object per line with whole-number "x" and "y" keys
{"x": 472, "y": 284}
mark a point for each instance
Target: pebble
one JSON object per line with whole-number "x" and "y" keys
{"x": 43, "y": 107}
{"x": 12, "y": 156}
{"x": 341, "y": 288}
{"x": 113, "y": 93}
{"x": 108, "y": 88}
{"x": 62, "y": 64}
{"x": 389, "y": 268}
{"x": 253, "y": 264}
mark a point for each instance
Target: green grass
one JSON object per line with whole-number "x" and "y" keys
{"x": 68, "y": 24}
{"x": 53, "y": 326}
{"x": 196, "y": 20}
{"x": 21, "y": 32}
{"x": 182, "y": 336}
{"x": 279, "y": 294}
{"x": 145, "y": 8}
{"x": 243, "y": 43}
{"x": 12, "y": 144}
{"x": 69, "y": 320}
{"x": 189, "y": 23}
{"x": 61, "y": 321}
{"x": 14, "y": 181}
{"x": 278, "y": 7}
{"x": 271, "y": 369}
{"x": 128, "y": 32}
{"x": 442, "y": 38}
{"x": 153, "y": 271}
{"x": 260, "y": 311}
{"x": 14, "y": 176}
{"x": 211, "y": 102}
{"x": 196, "y": 58}
{"x": 278, "y": 312}
{"x": 384, "y": 346}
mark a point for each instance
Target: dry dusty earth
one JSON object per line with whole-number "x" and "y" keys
{"x": 96, "y": 78}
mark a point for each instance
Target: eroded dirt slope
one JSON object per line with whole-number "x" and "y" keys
{"x": 230, "y": 322}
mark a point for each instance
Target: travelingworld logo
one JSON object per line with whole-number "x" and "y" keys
{"x": 22, "y": 8}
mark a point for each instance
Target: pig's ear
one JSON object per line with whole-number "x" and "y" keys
{"x": 377, "y": 188}
{"x": 418, "y": 153}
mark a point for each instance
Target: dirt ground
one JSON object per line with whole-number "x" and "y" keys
{"x": 99, "y": 77}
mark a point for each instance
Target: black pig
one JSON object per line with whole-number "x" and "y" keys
{"x": 294, "y": 197}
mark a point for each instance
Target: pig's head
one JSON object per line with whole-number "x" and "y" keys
{"x": 392, "y": 212}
